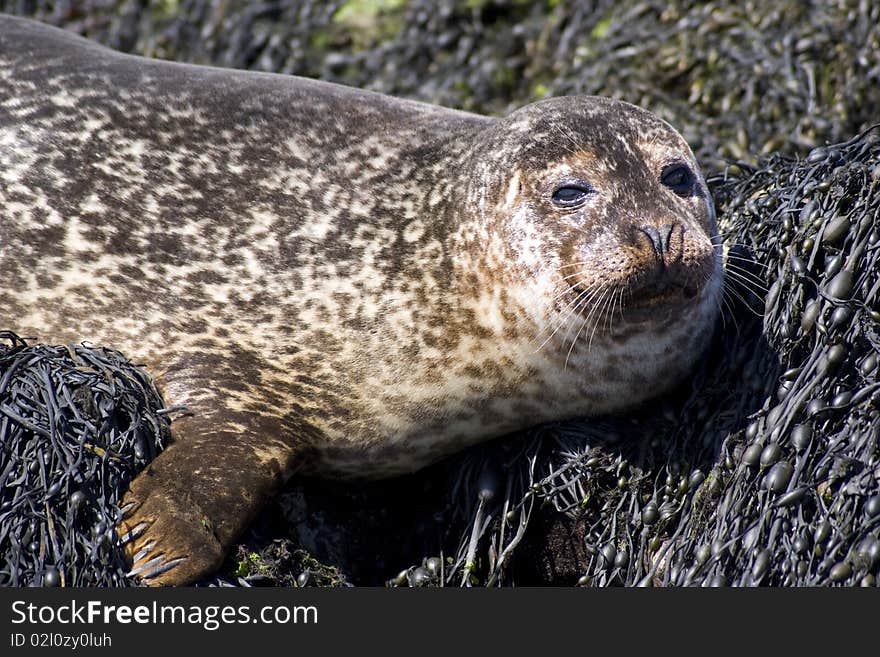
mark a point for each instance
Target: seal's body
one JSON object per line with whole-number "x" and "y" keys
{"x": 333, "y": 279}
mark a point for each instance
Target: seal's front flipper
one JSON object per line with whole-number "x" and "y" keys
{"x": 168, "y": 537}
{"x": 189, "y": 506}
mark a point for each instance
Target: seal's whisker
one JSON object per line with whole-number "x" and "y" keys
{"x": 572, "y": 323}
{"x": 726, "y": 303}
{"x": 737, "y": 263}
{"x": 623, "y": 301}
{"x": 584, "y": 323}
{"x": 579, "y": 309}
{"x": 575, "y": 275}
{"x": 566, "y": 312}
{"x": 731, "y": 254}
{"x": 742, "y": 252}
{"x": 578, "y": 284}
{"x": 745, "y": 270}
{"x": 732, "y": 290}
{"x": 748, "y": 280}
{"x": 565, "y": 137}
{"x": 608, "y": 312}
{"x": 730, "y": 310}
{"x": 574, "y": 340}
{"x": 599, "y": 317}
{"x": 574, "y": 264}
{"x": 568, "y": 290}
{"x": 559, "y": 295}
{"x": 569, "y": 305}
{"x": 723, "y": 236}
{"x": 603, "y": 316}
{"x": 750, "y": 287}
{"x": 618, "y": 305}
{"x": 759, "y": 277}
{"x": 719, "y": 300}
{"x": 745, "y": 260}
{"x": 723, "y": 304}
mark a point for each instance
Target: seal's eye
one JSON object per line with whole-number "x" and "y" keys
{"x": 571, "y": 195}
{"x": 679, "y": 178}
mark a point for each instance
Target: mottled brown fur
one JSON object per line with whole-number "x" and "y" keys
{"x": 333, "y": 279}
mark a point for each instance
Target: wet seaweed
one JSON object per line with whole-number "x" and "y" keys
{"x": 75, "y": 424}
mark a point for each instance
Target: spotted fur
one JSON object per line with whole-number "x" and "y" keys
{"x": 331, "y": 279}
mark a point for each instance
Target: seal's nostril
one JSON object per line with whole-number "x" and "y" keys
{"x": 660, "y": 237}
{"x": 654, "y": 236}
{"x": 666, "y": 231}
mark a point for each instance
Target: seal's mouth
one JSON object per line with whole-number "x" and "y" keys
{"x": 667, "y": 294}
{"x": 668, "y": 284}
{"x": 642, "y": 292}
{"x": 637, "y": 302}
{"x": 659, "y": 299}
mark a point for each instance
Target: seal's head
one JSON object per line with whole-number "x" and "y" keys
{"x": 601, "y": 208}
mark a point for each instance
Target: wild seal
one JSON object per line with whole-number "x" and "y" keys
{"x": 335, "y": 280}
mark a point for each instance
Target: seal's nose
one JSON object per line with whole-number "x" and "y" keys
{"x": 660, "y": 237}
{"x": 667, "y": 266}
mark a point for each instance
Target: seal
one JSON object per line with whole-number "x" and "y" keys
{"x": 336, "y": 281}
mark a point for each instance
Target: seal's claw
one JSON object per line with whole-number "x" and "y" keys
{"x": 141, "y": 566}
{"x": 143, "y": 552}
{"x": 170, "y": 541}
{"x": 152, "y": 568}
{"x": 193, "y": 501}
{"x": 161, "y": 569}
{"x": 133, "y": 533}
